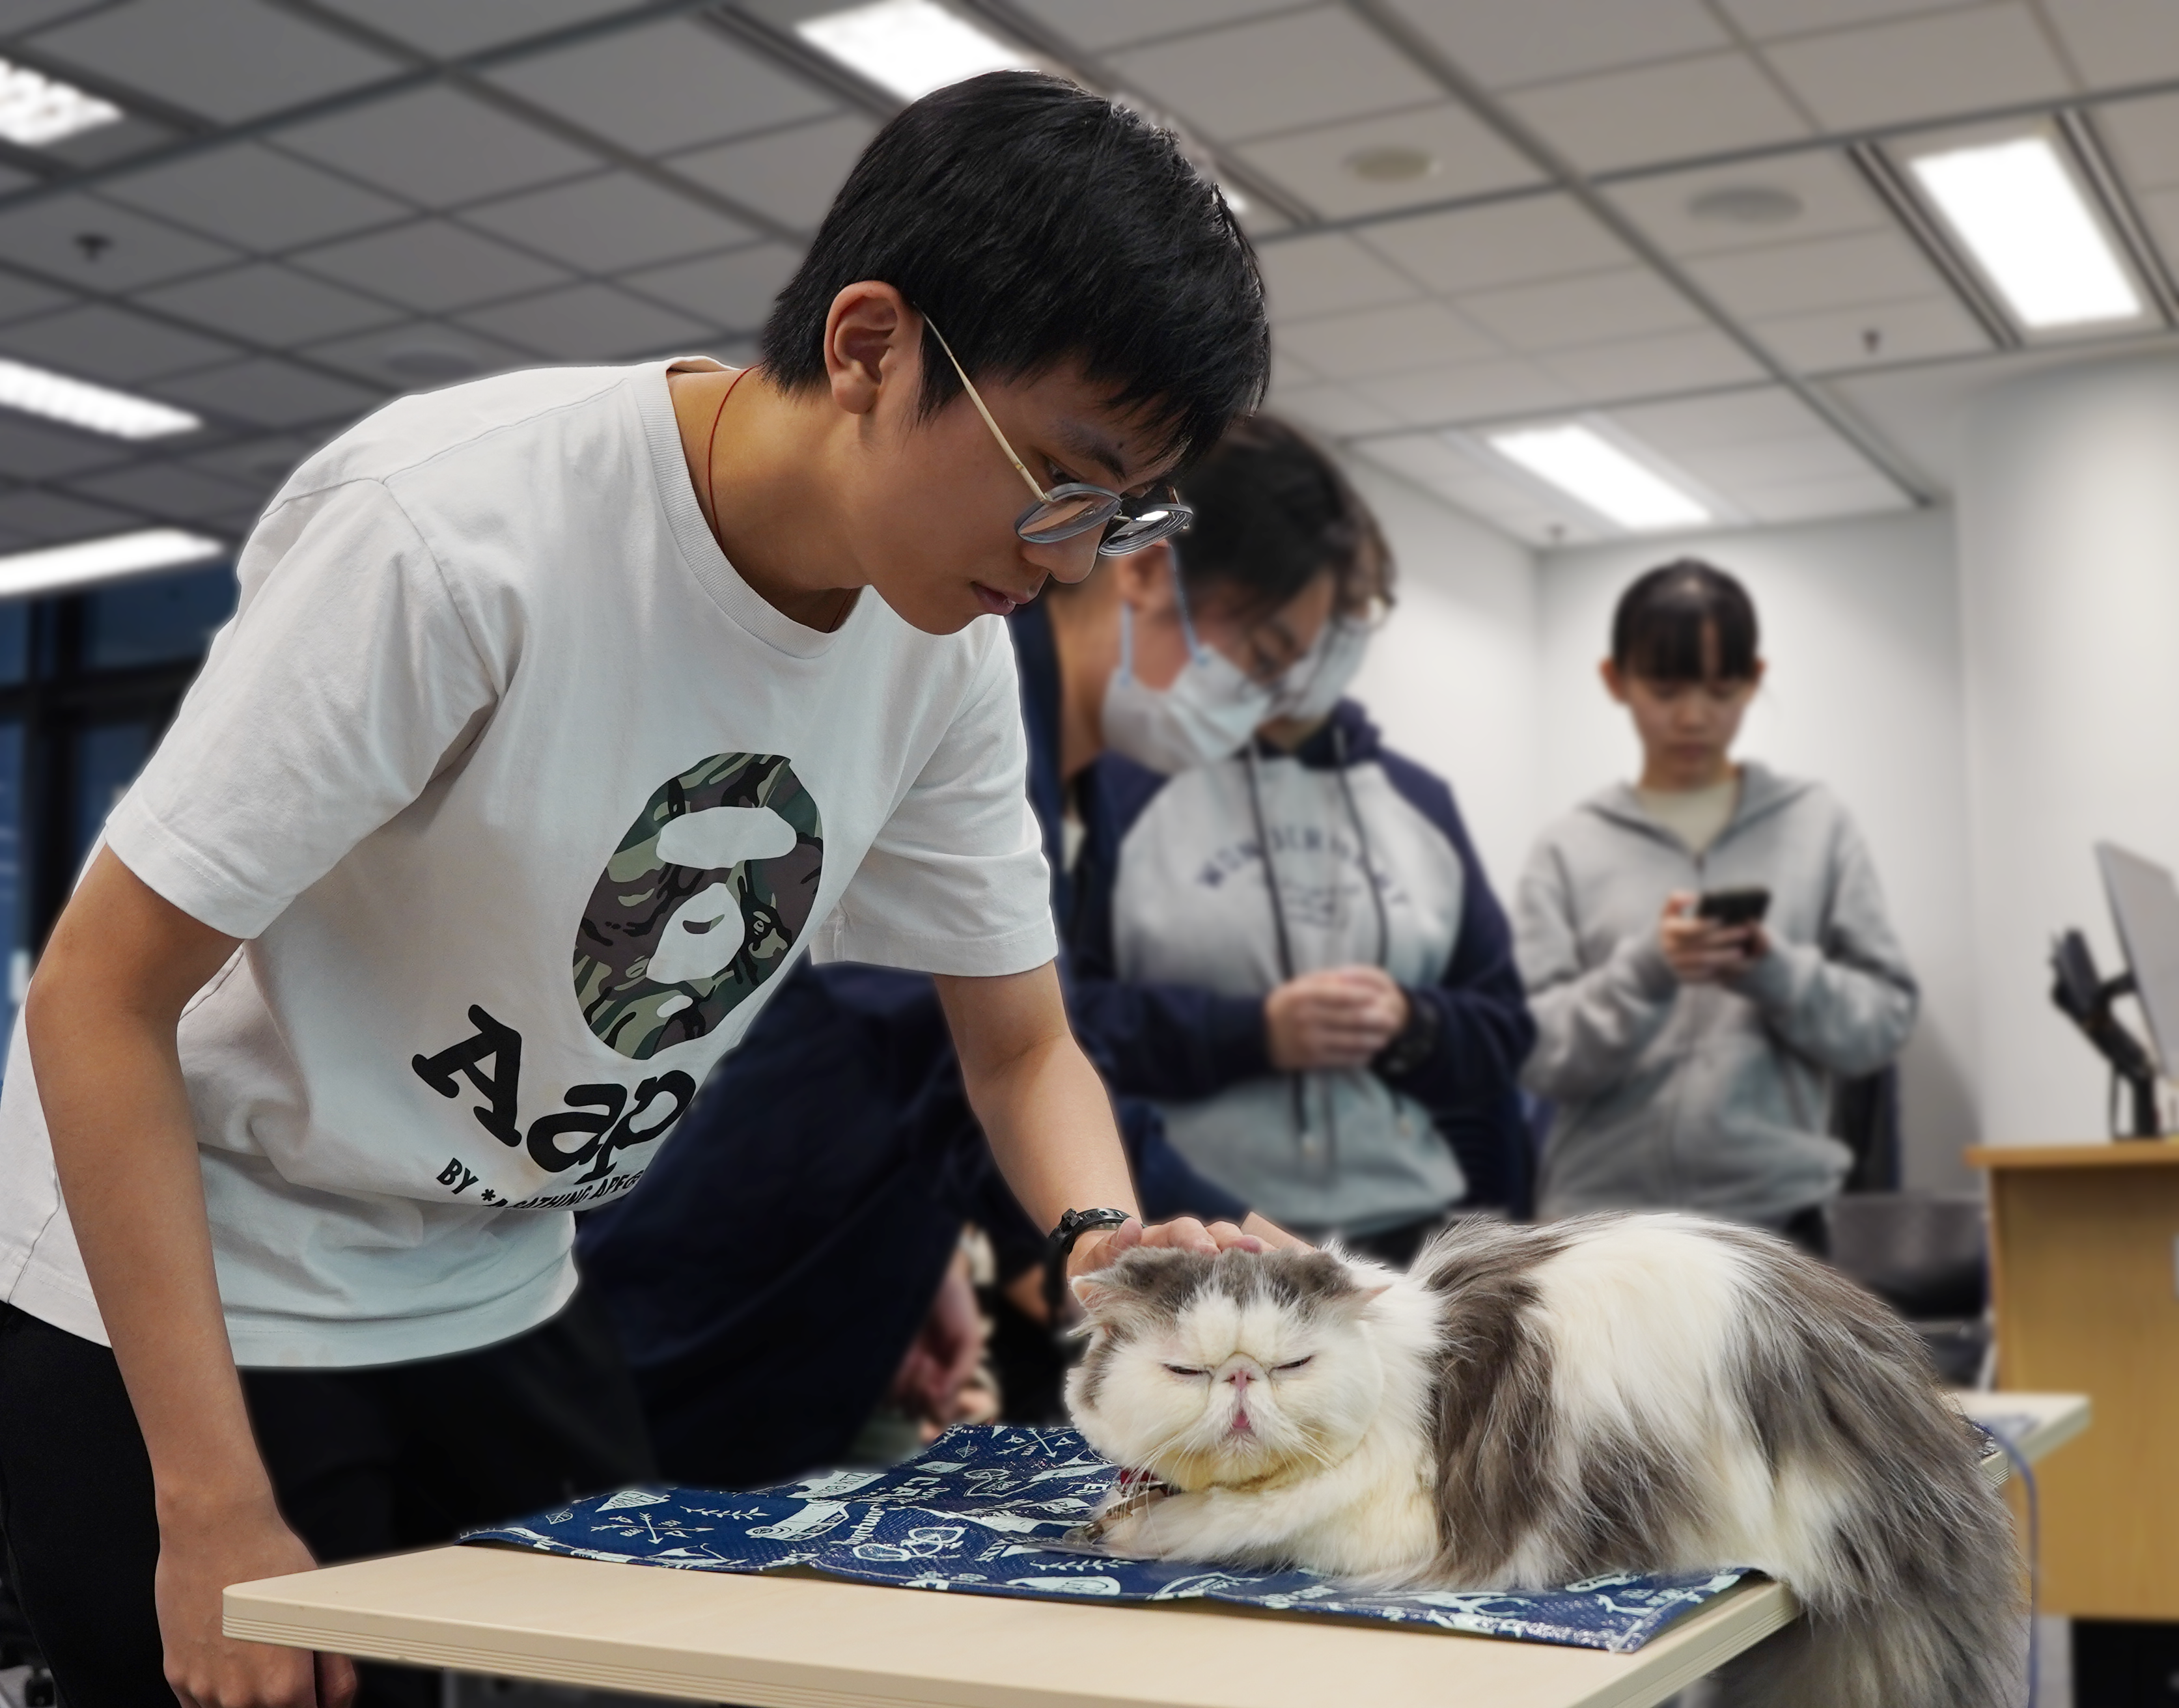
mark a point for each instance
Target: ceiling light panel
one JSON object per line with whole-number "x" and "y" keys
{"x": 95, "y": 408}
{"x": 54, "y": 568}
{"x": 2020, "y": 213}
{"x": 36, "y": 110}
{"x": 1601, "y": 476}
{"x": 910, "y": 47}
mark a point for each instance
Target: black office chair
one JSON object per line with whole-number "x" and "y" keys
{"x": 1927, "y": 1254}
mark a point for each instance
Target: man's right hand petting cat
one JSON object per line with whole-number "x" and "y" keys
{"x": 1530, "y": 1406}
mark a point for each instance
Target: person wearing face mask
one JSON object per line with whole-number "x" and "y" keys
{"x": 1691, "y": 1054}
{"x": 1282, "y": 935}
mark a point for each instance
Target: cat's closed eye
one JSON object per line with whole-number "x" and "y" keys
{"x": 1281, "y": 1369}
{"x": 1187, "y": 1370}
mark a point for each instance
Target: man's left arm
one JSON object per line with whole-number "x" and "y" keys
{"x": 1050, "y": 1123}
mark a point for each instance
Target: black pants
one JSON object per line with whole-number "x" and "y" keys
{"x": 363, "y": 1461}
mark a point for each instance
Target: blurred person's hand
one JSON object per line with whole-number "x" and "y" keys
{"x": 1702, "y": 951}
{"x": 1338, "y": 1018}
{"x": 945, "y": 1352}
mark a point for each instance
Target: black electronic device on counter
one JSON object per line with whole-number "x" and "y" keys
{"x": 2084, "y": 996}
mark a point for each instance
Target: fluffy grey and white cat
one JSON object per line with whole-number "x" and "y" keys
{"x": 1529, "y": 1406}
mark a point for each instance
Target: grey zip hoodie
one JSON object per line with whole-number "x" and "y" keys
{"x": 1713, "y": 1097}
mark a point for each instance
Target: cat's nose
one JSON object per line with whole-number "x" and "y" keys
{"x": 1239, "y": 1378}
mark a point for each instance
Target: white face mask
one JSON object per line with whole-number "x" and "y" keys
{"x": 1314, "y": 681}
{"x": 1210, "y": 710}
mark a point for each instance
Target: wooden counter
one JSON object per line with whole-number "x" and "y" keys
{"x": 2085, "y": 1277}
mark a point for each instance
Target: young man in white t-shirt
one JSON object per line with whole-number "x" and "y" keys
{"x": 561, "y": 711}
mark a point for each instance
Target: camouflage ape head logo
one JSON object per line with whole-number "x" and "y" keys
{"x": 700, "y": 904}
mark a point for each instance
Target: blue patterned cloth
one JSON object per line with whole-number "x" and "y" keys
{"x": 987, "y": 1509}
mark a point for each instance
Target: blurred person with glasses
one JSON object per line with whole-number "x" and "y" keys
{"x": 1282, "y": 935}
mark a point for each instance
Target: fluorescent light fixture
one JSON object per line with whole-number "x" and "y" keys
{"x": 909, "y": 47}
{"x": 35, "y": 110}
{"x": 99, "y": 409}
{"x": 53, "y": 568}
{"x": 2018, "y": 210}
{"x": 1586, "y": 466}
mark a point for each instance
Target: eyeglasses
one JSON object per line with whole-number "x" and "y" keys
{"x": 1075, "y": 507}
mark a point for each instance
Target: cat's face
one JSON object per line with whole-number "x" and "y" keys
{"x": 1226, "y": 1369}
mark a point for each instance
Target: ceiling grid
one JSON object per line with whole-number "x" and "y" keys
{"x": 1688, "y": 221}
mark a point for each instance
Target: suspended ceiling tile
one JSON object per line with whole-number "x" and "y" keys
{"x": 734, "y": 290}
{"x": 1507, "y": 243}
{"x": 35, "y": 450}
{"x": 112, "y": 344}
{"x": 2144, "y": 134}
{"x": 1098, "y": 24}
{"x": 54, "y": 515}
{"x": 1385, "y": 340}
{"x": 1879, "y": 266}
{"x": 1922, "y": 68}
{"x": 1659, "y": 362}
{"x": 1320, "y": 165}
{"x": 1505, "y": 45}
{"x": 1320, "y": 274}
{"x": 1594, "y": 309}
{"x": 1307, "y": 69}
{"x": 2160, "y": 208}
{"x": 1676, "y": 110}
{"x": 1467, "y": 392}
{"x": 1691, "y": 425}
{"x": 1831, "y": 197}
{"x": 437, "y": 147}
{"x": 589, "y": 323}
{"x": 260, "y": 465}
{"x": 1497, "y": 499}
{"x": 665, "y": 86}
{"x": 1813, "y": 501}
{"x": 249, "y": 195}
{"x": 1766, "y": 19}
{"x": 1333, "y": 410}
{"x": 2114, "y": 42}
{"x": 227, "y": 60}
{"x": 267, "y": 304}
{"x": 1775, "y": 462}
{"x": 22, "y": 16}
{"x": 451, "y": 30}
{"x": 169, "y": 490}
{"x": 79, "y": 240}
{"x": 606, "y": 223}
{"x": 792, "y": 174}
{"x": 1873, "y": 336}
{"x": 420, "y": 356}
{"x": 430, "y": 265}
{"x": 18, "y": 296}
{"x": 265, "y": 392}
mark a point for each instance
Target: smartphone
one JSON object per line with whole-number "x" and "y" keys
{"x": 1741, "y": 906}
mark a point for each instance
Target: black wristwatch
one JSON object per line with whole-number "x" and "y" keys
{"x": 1414, "y": 1044}
{"x": 1075, "y": 1224}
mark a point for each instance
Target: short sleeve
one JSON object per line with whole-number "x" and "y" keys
{"x": 956, "y": 881}
{"x": 325, "y": 708}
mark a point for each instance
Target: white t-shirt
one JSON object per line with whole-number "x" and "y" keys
{"x": 523, "y": 799}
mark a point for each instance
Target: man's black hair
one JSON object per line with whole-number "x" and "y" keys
{"x": 1036, "y": 223}
{"x": 1272, "y": 513}
{"x": 1658, "y": 629}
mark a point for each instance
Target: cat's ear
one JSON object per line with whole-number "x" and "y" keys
{"x": 1097, "y": 1293}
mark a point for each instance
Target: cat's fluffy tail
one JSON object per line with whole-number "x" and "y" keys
{"x": 1902, "y": 1656}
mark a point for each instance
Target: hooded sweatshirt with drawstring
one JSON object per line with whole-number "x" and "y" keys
{"x": 1183, "y": 925}
{"x": 1707, "y": 1096}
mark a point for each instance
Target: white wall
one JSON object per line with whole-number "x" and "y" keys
{"x": 1861, "y": 626}
{"x": 2069, "y": 550}
{"x": 1452, "y": 678}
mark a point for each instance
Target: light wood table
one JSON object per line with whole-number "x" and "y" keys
{"x": 790, "y": 1641}
{"x": 2084, "y": 1274}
